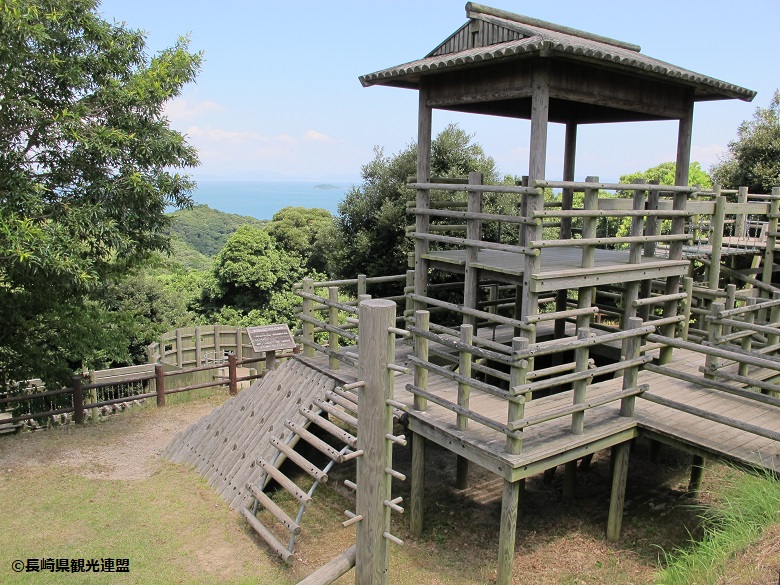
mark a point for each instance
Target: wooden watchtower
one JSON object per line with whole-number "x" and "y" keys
{"x": 504, "y": 64}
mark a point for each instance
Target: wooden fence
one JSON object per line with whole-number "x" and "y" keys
{"x": 196, "y": 346}
{"x": 158, "y": 383}
{"x": 522, "y": 380}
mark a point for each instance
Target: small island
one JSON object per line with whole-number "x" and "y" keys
{"x": 327, "y": 186}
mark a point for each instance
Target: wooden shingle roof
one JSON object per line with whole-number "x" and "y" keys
{"x": 493, "y": 35}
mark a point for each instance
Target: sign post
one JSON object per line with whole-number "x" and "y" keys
{"x": 269, "y": 339}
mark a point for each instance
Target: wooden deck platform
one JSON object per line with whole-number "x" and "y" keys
{"x": 560, "y": 267}
{"x": 551, "y": 443}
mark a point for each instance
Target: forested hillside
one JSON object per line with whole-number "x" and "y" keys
{"x": 207, "y": 229}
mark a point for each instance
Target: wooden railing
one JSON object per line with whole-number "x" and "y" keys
{"x": 522, "y": 380}
{"x": 334, "y": 316}
{"x": 197, "y": 346}
{"x": 80, "y": 396}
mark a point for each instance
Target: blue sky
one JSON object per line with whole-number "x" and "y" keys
{"x": 278, "y": 96}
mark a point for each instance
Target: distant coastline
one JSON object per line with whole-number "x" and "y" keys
{"x": 262, "y": 199}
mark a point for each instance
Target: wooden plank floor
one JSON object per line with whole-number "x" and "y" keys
{"x": 552, "y": 259}
{"x": 552, "y": 443}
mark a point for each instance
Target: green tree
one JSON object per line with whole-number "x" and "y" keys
{"x": 664, "y": 174}
{"x": 753, "y": 159}
{"x": 368, "y": 235}
{"x": 251, "y": 273}
{"x": 298, "y": 230}
{"x": 85, "y": 159}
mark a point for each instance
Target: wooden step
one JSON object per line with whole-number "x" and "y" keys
{"x": 339, "y": 414}
{"x": 285, "y": 482}
{"x": 268, "y": 536}
{"x": 329, "y": 427}
{"x": 299, "y": 460}
{"x": 274, "y": 509}
{"x": 342, "y": 401}
{"x": 346, "y": 394}
{"x": 315, "y": 442}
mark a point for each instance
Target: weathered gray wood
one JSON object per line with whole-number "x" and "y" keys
{"x": 421, "y": 246}
{"x": 417, "y": 491}
{"x": 375, "y": 421}
{"x": 332, "y": 570}
{"x": 581, "y": 356}
{"x": 473, "y": 233}
{"x": 508, "y": 528}
{"x": 268, "y": 536}
{"x": 617, "y": 498}
{"x": 697, "y": 476}
{"x": 422, "y": 319}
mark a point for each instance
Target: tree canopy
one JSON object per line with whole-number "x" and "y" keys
{"x": 368, "y": 235}
{"x": 86, "y": 154}
{"x": 664, "y": 174}
{"x": 298, "y": 230}
{"x": 753, "y": 159}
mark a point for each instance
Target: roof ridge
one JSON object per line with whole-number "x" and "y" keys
{"x": 474, "y": 10}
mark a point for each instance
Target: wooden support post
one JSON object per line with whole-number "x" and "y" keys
{"x": 619, "y": 476}
{"x": 333, "y": 321}
{"x": 635, "y": 254}
{"x": 179, "y": 355}
{"x": 716, "y": 239}
{"x": 239, "y": 343}
{"x": 581, "y": 356}
{"x": 78, "y": 401}
{"x": 93, "y": 397}
{"x": 630, "y": 351}
{"x": 714, "y": 332}
{"x": 586, "y": 296}
{"x": 422, "y": 319}
{"x": 198, "y": 349}
{"x": 518, "y": 374}
{"x": 159, "y": 377}
{"x": 417, "y": 495}
{"x": 464, "y": 391}
{"x": 362, "y": 285}
{"x": 771, "y": 239}
{"x": 217, "y": 341}
{"x": 423, "y": 199}
{"x": 697, "y": 476}
{"x": 567, "y": 200}
{"x": 307, "y": 306}
{"x": 232, "y": 374}
{"x": 671, "y": 308}
{"x": 651, "y": 229}
{"x": 473, "y": 232}
{"x": 506, "y": 537}
{"x": 375, "y": 422}
{"x": 747, "y": 342}
{"x": 270, "y": 360}
{"x": 688, "y": 288}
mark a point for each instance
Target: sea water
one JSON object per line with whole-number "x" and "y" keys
{"x": 262, "y": 199}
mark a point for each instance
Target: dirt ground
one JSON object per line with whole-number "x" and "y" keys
{"x": 558, "y": 540}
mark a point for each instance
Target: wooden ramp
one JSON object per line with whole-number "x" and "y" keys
{"x": 227, "y": 446}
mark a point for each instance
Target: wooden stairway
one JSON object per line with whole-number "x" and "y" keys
{"x": 240, "y": 446}
{"x": 338, "y": 404}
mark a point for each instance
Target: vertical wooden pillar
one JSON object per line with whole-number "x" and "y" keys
{"x": 308, "y": 328}
{"x": 567, "y": 201}
{"x": 506, "y": 537}
{"x": 333, "y": 321}
{"x": 619, "y": 475}
{"x": 714, "y": 333}
{"x": 673, "y": 282}
{"x": 375, "y": 422}
{"x": 417, "y": 495}
{"x": 422, "y": 222}
{"x": 217, "y": 341}
{"x": 716, "y": 239}
{"x": 684, "y": 134}
{"x": 580, "y": 387}
{"x": 232, "y": 374}
{"x": 464, "y": 391}
{"x": 771, "y": 239}
{"x": 540, "y": 110}
{"x": 159, "y": 379}
{"x": 634, "y": 255}
{"x": 473, "y": 232}
{"x": 270, "y": 360}
{"x": 198, "y": 349}
{"x": 697, "y": 475}
{"x": 586, "y": 296}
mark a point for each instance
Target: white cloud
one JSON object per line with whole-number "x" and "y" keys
{"x": 707, "y": 155}
{"x": 316, "y": 136}
{"x": 182, "y": 108}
